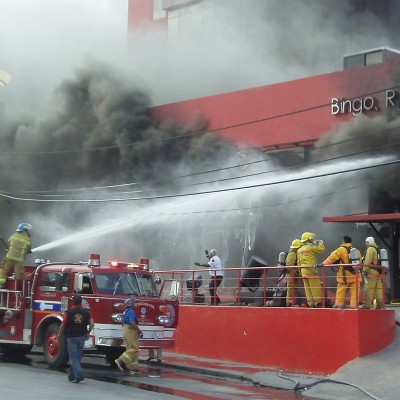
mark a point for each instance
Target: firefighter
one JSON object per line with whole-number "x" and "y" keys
{"x": 372, "y": 275}
{"x": 292, "y": 274}
{"x": 346, "y": 276}
{"x": 306, "y": 259}
{"x": 19, "y": 245}
{"x": 132, "y": 333}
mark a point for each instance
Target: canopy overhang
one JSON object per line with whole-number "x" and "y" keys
{"x": 368, "y": 218}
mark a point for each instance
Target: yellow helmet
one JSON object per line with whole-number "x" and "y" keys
{"x": 296, "y": 244}
{"x": 306, "y": 236}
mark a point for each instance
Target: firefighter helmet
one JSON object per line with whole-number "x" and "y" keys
{"x": 370, "y": 240}
{"x": 296, "y": 244}
{"x": 24, "y": 227}
{"x": 307, "y": 236}
{"x": 128, "y": 302}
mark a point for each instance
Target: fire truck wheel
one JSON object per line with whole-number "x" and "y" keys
{"x": 54, "y": 349}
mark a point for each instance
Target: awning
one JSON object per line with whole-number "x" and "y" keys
{"x": 377, "y": 218}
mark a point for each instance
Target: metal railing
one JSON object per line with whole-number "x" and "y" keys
{"x": 264, "y": 286}
{"x": 10, "y": 299}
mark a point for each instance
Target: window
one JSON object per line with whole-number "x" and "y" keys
{"x": 363, "y": 59}
{"x": 126, "y": 283}
{"x": 374, "y": 57}
{"x": 355, "y": 61}
{"x": 158, "y": 10}
{"x": 54, "y": 281}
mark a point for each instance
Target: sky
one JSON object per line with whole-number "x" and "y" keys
{"x": 78, "y": 101}
{"x": 42, "y": 41}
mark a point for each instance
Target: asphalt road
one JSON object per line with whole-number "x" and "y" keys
{"x": 31, "y": 377}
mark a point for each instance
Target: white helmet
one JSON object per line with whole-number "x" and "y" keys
{"x": 370, "y": 240}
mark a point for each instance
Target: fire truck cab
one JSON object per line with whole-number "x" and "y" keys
{"x": 31, "y": 315}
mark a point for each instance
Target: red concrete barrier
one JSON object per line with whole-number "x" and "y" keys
{"x": 295, "y": 339}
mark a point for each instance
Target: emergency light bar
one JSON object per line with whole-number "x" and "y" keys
{"x": 94, "y": 260}
{"x": 119, "y": 264}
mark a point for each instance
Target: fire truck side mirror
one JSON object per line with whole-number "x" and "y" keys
{"x": 78, "y": 283}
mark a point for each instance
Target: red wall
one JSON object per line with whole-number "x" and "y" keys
{"x": 140, "y": 17}
{"x": 264, "y": 104}
{"x": 306, "y": 340}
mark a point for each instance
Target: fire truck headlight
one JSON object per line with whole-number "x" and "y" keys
{"x": 117, "y": 318}
{"x": 163, "y": 320}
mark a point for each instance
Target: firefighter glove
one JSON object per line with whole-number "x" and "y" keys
{"x": 315, "y": 266}
{"x": 197, "y": 263}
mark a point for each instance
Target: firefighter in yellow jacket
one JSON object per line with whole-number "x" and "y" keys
{"x": 372, "y": 274}
{"x": 292, "y": 275}
{"x": 306, "y": 259}
{"x": 19, "y": 245}
{"x": 347, "y": 277}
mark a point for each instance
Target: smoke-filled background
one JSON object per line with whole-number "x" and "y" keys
{"x": 83, "y": 162}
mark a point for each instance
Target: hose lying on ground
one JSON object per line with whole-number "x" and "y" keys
{"x": 298, "y": 387}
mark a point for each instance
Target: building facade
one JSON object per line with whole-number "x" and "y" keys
{"x": 301, "y": 115}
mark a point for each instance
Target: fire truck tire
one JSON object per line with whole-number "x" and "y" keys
{"x": 16, "y": 350}
{"x": 112, "y": 354}
{"x": 54, "y": 349}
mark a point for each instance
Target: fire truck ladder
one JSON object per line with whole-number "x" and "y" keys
{"x": 10, "y": 299}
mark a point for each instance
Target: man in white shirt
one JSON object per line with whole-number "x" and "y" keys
{"x": 216, "y": 272}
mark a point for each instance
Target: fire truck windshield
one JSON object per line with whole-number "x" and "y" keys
{"x": 126, "y": 283}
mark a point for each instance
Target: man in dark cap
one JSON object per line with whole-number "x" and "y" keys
{"x": 77, "y": 324}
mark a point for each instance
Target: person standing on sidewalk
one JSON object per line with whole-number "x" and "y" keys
{"x": 77, "y": 324}
{"x": 217, "y": 274}
{"x": 130, "y": 358}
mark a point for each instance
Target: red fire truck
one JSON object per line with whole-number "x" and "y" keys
{"x": 31, "y": 315}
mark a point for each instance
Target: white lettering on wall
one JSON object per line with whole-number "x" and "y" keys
{"x": 392, "y": 99}
{"x": 363, "y": 104}
{"x": 354, "y": 106}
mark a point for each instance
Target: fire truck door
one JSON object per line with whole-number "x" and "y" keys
{"x": 170, "y": 289}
